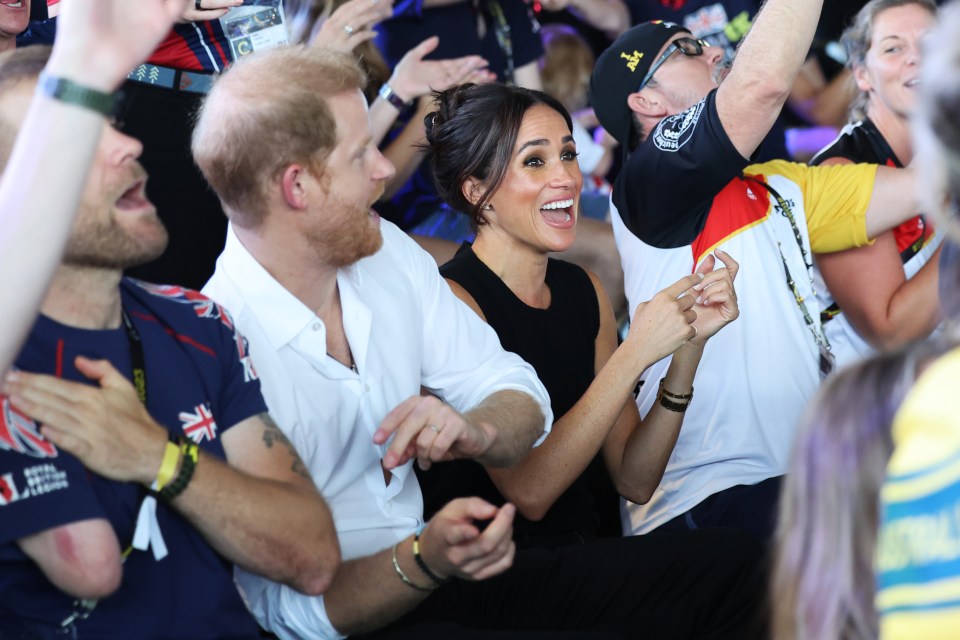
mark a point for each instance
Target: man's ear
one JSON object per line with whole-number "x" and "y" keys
{"x": 646, "y": 104}
{"x": 292, "y": 183}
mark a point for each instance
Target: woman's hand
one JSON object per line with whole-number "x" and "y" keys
{"x": 413, "y": 76}
{"x": 716, "y": 304}
{"x": 665, "y": 323}
{"x": 351, "y": 24}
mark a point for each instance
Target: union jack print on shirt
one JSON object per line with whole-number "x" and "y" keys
{"x": 21, "y": 434}
{"x": 204, "y": 307}
{"x": 199, "y": 425}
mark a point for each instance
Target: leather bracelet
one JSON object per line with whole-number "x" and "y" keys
{"x": 386, "y": 92}
{"x": 190, "y": 452}
{"x": 679, "y": 407}
{"x": 403, "y": 576}
{"x": 437, "y": 580}
{"x": 676, "y": 396}
{"x": 72, "y": 93}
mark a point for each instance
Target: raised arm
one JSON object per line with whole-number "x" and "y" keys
{"x": 414, "y": 77}
{"x": 610, "y": 16}
{"x": 547, "y": 471}
{"x": 638, "y": 457}
{"x": 606, "y": 415}
{"x": 750, "y": 99}
{"x": 261, "y": 511}
{"x": 98, "y": 42}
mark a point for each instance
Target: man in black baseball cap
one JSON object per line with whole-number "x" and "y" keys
{"x": 621, "y": 69}
{"x": 690, "y": 185}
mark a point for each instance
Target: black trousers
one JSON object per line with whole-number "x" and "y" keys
{"x": 747, "y": 507}
{"x": 162, "y": 119}
{"x": 672, "y": 585}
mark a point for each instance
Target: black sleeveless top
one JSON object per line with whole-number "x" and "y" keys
{"x": 558, "y": 342}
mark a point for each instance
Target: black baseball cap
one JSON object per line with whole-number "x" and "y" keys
{"x": 619, "y": 71}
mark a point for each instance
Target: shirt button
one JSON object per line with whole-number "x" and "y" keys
{"x": 367, "y": 387}
{"x": 316, "y": 326}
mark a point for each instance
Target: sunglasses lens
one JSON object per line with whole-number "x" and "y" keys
{"x": 689, "y": 46}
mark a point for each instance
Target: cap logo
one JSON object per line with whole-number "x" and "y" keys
{"x": 632, "y": 60}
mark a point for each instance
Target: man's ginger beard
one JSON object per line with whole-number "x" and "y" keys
{"x": 350, "y": 235}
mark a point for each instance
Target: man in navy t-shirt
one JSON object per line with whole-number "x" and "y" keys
{"x": 137, "y": 460}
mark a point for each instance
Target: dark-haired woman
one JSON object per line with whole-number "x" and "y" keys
{"x": 507, "y": 155}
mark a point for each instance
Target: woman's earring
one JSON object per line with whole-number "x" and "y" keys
{"x": 487, "y": 207}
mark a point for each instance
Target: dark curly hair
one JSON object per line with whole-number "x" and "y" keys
{"x": 472, "y": 134}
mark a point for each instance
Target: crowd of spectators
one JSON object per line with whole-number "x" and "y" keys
{"x": 519, "y": 319}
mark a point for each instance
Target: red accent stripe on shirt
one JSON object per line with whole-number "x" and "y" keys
{"x": 58, "y": 372}
{"x": 179, "y": 336}
{"x": 736, "y": 208}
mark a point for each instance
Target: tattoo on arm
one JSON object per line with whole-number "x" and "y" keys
{"x": 273, "y": 435}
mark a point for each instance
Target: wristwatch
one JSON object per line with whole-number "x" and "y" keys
{"x": 72, "y": 93}
{"x": 387, "y": 93}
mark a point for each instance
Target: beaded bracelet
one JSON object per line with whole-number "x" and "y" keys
{"x": 437, "y": 580}
{"x": 403, "y": 576}
{"x": 189, "y": 453}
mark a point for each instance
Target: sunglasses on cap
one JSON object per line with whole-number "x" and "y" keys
{"x": 687, "y": 46}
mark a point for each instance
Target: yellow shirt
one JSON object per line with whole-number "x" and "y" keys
{"x": 918, "y": 553}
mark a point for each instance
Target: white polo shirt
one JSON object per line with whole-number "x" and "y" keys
{"x": 406, "y": 329}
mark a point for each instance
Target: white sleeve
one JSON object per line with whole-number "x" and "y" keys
{"x": 284, "y": 611}
{"x": 463, "y": 361}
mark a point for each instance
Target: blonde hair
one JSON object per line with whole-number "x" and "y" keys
{"x": 268, "y": 111}
{"x": 566, "y": 65}
{"x": 857, "y": 38}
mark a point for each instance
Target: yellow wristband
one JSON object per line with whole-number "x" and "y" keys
{"x": 168, "y": 468}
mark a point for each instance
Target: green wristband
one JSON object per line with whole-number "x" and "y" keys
{"x": 72, "y": 93}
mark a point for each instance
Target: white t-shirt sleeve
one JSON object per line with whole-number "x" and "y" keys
{"x": 463, "y": 361}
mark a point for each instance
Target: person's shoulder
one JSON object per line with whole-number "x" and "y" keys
{"x": 847, "y": 144}
{"x": 677, "y": 131}
{"x": 180, "y": 308}
{"x": 172, "y": 298}
{"x": 399, "y": 251}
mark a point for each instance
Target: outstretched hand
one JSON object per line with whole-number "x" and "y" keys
{"x": 716, "y": 298}
{"x": 100, "y": 41}
{"x": 453, "y": 544}
{"x": 105, "y": 426}
{"x": 414, "y": 76}
{"x": 431, "y": 430}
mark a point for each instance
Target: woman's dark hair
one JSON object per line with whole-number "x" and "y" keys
{"x": 472, "y": 134}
